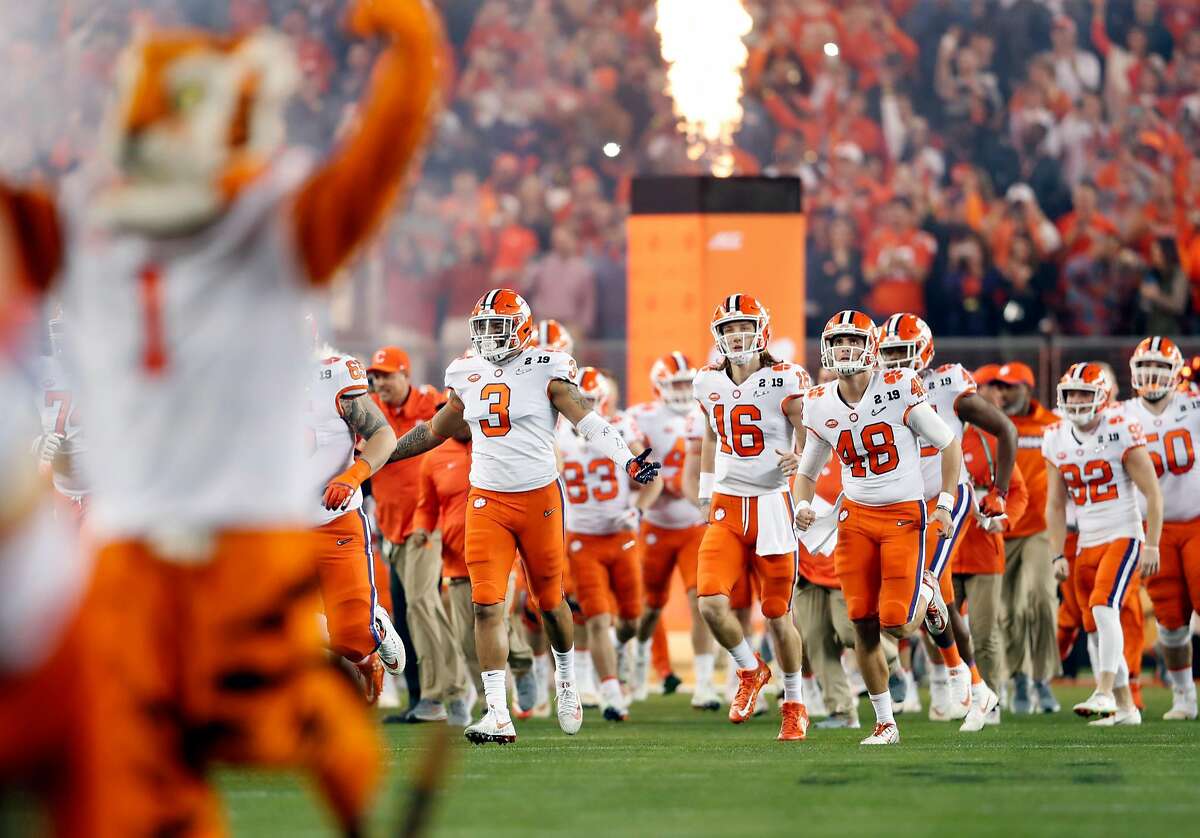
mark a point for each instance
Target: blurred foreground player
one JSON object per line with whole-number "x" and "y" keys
{"x": 1097, "y": 460}
{"x": 186, "y": 280}
{"x": 511, "y": 394}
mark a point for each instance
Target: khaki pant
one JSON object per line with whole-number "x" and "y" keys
{"x": 462, "y": 616}
{"x": 981, "y": 593}
{"x": 820, "y": 616}
{"x": 1029, "y": 601}
{"x": 439, "y": 657}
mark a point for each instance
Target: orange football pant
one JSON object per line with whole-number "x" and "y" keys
{"x": 500, "y": 523}
{"x": 219, "y": 661}
{"x": 664, "y": 550}
{"x": 728, "y": 549}
{"x": 607, "y": 572}
{"x": 1175, "y": 589}
{"x": 941, "y": 549}
{"x": 1104, "y": 575}
{"x": 346, "y": 569}
{"x": 879, "y": 559}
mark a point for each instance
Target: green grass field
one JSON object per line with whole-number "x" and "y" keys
{"x": 675, "y": 771}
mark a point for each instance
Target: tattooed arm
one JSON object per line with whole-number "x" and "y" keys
{"x": 366, "y": 420}
{"x": 597, "y": 430}
{"x": 429, "y": 435}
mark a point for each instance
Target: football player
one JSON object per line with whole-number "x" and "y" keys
{"x": 673, "y": 527}
{"x": 876, "y": 420}
{"x": 511, "y": 394}
{"x": 60, "y": 446}
{"x": 1170, "y": 417}
{"x": 187, "y": 271}
{"x": 602, "y": 521}
{"x": 1099, "y": 458}
{"x": 906, "y": 342}
{"x": 553, "y": 335}
{"x": 340, "y": 411}
{"x": 753, "y": 409}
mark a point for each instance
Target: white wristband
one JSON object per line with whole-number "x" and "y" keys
{"x": 801, "y": 505}
{"x": 707, "y": 480}
{"x": 945, "y": 501}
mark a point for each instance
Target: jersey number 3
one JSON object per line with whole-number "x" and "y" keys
{"x": 496, "y": 423}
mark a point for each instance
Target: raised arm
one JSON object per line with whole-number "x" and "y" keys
{"x": 978, "y": 411}
{"x": 599, "y": 432}
{"x": 924, "y": 420}
{"x": 343, "y": 202}
{"x": 429, "y": 435}
{"x": 365, "y": 421}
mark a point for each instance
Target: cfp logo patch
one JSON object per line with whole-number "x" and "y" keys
{"x": 719, "y": 515}
{"x": 480, "y": 503}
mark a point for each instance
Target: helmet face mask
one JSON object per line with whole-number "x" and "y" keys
{"x": 909, "y": 333}
{"x": 676, "y": 393}
{"x": 849, "y": 343}
{"x": 672, "y": 376}
{"x": 501, "y": 326}
{"x": 898, "y": 354}
{"x": 1081, "y": 412}
{"x": 1155, "y": 368}
{"x": 740, "y": 338}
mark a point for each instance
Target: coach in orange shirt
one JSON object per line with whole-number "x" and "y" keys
{"x": 442, "y": 507}
{"x": 417, "y": 566}
{"x": 1029, "y": 592}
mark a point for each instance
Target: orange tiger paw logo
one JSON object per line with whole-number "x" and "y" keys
{"x": 892, "y": 376}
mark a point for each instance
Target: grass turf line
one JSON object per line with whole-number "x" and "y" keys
{"x": 675, "y": 771}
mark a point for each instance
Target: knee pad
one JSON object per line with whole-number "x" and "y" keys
{"x": 774, "y": 607}
{"x": 1177, "y": 638}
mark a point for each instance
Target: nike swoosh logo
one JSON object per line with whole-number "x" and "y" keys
{"x": 342, "y": 542}
{"x": 549, "y": 512}
{"x": 878, "y": 410}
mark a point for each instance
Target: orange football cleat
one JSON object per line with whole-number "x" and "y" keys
{"x": 370, "y": 676}
{"x": 794, "y": 726}
{"x": 750, "y": 684}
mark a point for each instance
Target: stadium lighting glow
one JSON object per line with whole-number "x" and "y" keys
{"x": 611, "y": 149}
{"x": 831, "y": 49}
{"x": 705, "y": 56}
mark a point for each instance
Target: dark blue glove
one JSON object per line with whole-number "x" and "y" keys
{"x": 642, "y": 469}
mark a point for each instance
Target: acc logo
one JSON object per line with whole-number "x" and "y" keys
{"x": 576, "y": 546}
{"x": 473, "y": 377}
{"x": 714, "y": 397}
{"x": 719, "y": 515}
{"x": 831, "y": 423}
{"x": 844, "y": 514}
{"x": 480, "y": 503}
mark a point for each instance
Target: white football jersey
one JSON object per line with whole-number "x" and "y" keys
{"x": 598, "y": 492}
{"x": 666, "y": 432}
{"x": 43, "y": 573}
{"x": 331, "y": 440}
{"x": 511, "y": 417}
{"x": 945, "y": 386}
{"x": 1092, "y": 466}
{"x": 880, "y": 454}
{"x": 749, "y": 423}
{"x": 190, "y": 358}
{"x": 60, "y": 415}
{"x": 1172, "y": 440}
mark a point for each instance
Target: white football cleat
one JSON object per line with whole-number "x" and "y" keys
{"x": 1132, "y": 716}
{"x": 939, "y": 699}
{"x": 705, "y": 698}
{"x": 982, "y": 707}
{"x": 936, "y": 614}
{"x": 1183, "y": 708}
{"x": 884, "y": 734}
{"x": 640, "y": 674}
{"x": 489, "y": 730}
{"x": 992, "y": 718}
{"x": 570, "y": 708}
{"x": 1097, "y": 704}
{"x": 391, "y": 649}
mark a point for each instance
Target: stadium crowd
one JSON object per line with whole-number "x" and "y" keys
{"x": 1033, "y": 166}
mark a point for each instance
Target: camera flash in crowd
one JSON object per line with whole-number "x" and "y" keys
{"x": 611, "y": 149}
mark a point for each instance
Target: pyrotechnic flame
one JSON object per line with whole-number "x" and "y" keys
{"x": 702, "y": 45}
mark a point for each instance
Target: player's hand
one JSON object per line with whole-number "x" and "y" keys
{"x": 1149, "y": 562}
{"x": 805, "y": 516}
{"x": 46, "y": 448}
{"x": 993, "y": 504}
{"x": 941, "y": 519}
{"x": 1061, "y": 568}
{"x": 789, "y": 462}
{"x": 420, "y": 538}
{"x": 642, "y": 469}
{"x": 995, "y": 524}
{"x": 341, "y": 489}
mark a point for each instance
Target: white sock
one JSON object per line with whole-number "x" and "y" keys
{"x": 743, "y": 656}
{"x": 1122, "y": 679}
{"x": 541, "y": 669}
{"x": 1181, "y": 681}
{"x": 703, "y": 665}
{"x": 793, "y": 687}
{"x": 564, "y": 665}
{"x": 1093, "y": 646}
{"x": 1111, "y": 638}
{"x": 495, "y": 693}
{"x": 883, "y": 707}
{"x": 643, "y": 647}
{"x": 939, "y": 672}
{"x": 610, "y": 692}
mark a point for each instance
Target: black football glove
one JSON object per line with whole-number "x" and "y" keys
{"x": 642, "y": 469}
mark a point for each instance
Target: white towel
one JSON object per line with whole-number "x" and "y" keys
{"x": 821, "y": 537}
{"x": 776, "y": 534}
